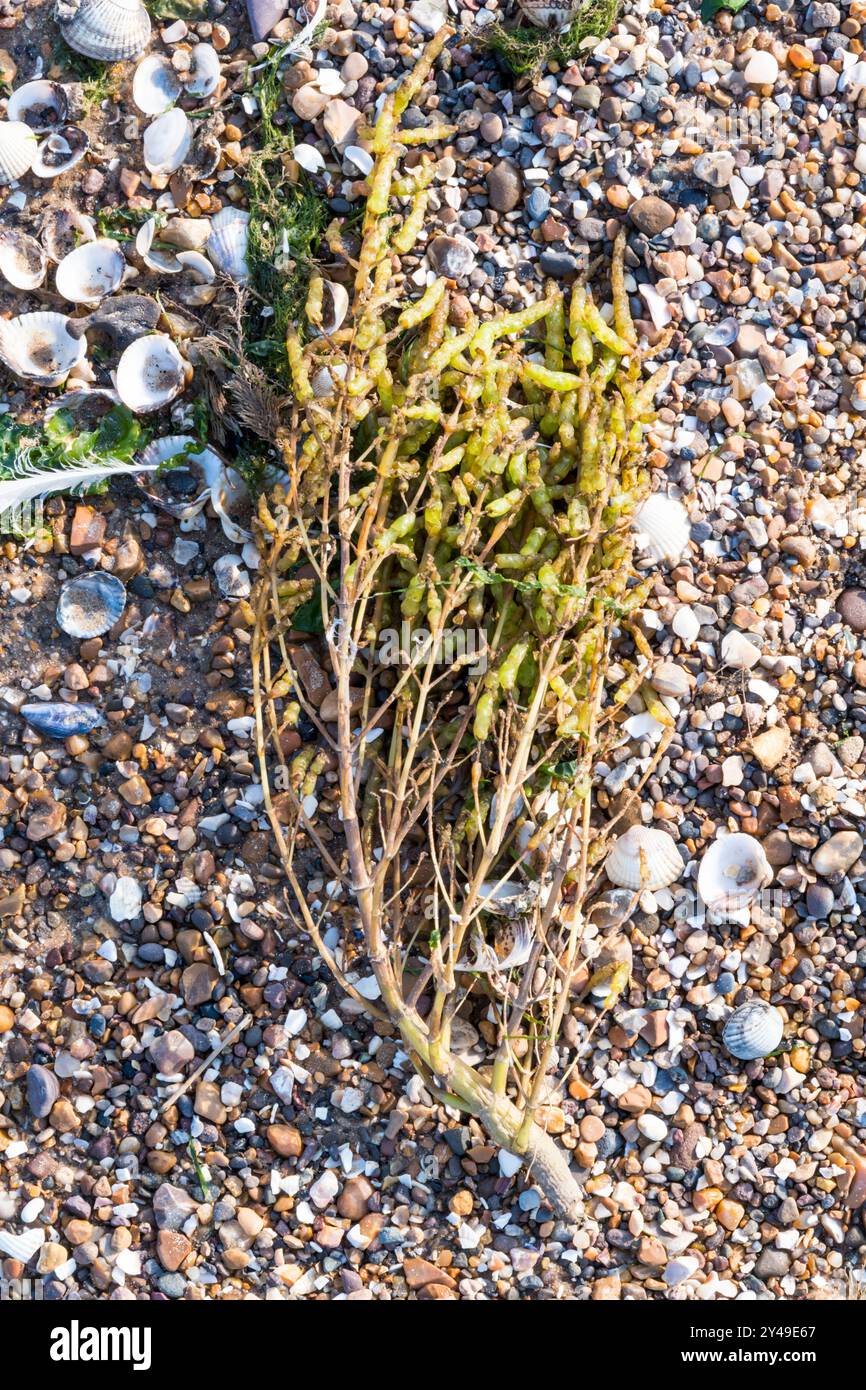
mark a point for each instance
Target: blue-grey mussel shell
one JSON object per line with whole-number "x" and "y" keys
{"x": 43, "y": 1089}
{"x": 61, "y": 719}
{"x": 90, "y": 604}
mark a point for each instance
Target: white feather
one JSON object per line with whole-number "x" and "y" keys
{"x": 42, "y": 482}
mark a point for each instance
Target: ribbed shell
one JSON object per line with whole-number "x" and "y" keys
{"x": 109, "y": 30}
{"x": 643, "y": 859}
{"x": 664, "y": 523}
{"x": 18, "y": 146}
{"x": 227, "y": 243}
{"x": 733, "y": 871}
{"x": 90, "y": 604}
{"x": 754, "y": 1030}
{"x": 22, "y": 1247}
{"x": 549, "y": 16}
{"x": 39, "y": 347}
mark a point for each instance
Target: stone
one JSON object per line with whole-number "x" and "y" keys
{"x": 88, "y": 530}
{"x": 418, "y": 1272}
{"x": 771, "y": 746}
{"x": 838, "y": 854}
{"x": 715, "y": 168}
{"x": 125, "y": 901}
{"x": 64, "y": 1117}
{"x": 324, "y": 1189}
{"x": 198, "y": 983}
{"x": 652, "y": 215}
{"x": 341, "y": 122}
{"x": 172, "y": 1248}
{"x": 172, "y": 1207}
{"x": 354, "y": 1199}
{"x": 761, "y": 69}
{"x": 852, "y": 609}
{"x": 285, "y": 1140}
{"x": 43, "y": 1089}
{"x": 171, "y": 1052}
{"x": 207, "y": 1103}
{"x": 772, "y": 1264}
{"x": 504, "y": 186}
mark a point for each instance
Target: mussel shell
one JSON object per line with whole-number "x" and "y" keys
{"x": 754, "y": 1030}
{"x": 61, "y": 719}
{"x": 90, "y": 604}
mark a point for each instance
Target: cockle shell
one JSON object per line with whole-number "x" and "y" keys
{"x": 754, "y": 1030}
{"x": 167, "y": 141}
{"x": 732, "y": 872}
{"x": 90, "y": 604}
{"x": 335, "y": 306}
{"x": 506, "y": 898}
{"x": 23, "y": 263}
{"x": 150, "y": 373}
{"x": 41, "y": 347}
{"x": 155, "y": 85}
{"x": 163, "y": 262}
{"x": 63, "y": 230}
{"x": 18, "y": 146}
{"x": 202, "y": 274}
{"x": 227, "y": 243}
{"x": 663, "y": 527}
{"x": 22, "y": 1247}
{"x": 109, "y": 30}
{"x": 60, "y": 152}
{"x": 551, "y": 16}
{"x": 61, "y": 719}
{"x": 90, "y": 272}
{"x": 41, "y": 105}
{"x": 643, "y": 859}
{"x": 204, "y": 73}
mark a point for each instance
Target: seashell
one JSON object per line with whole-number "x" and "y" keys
{"x": 754, "y": 1030}
{"x": 41, "y": 347}
{"x": 43, "y": 1089}
{"x": 643, "y": 859}
{"x": 90, "y": 405}
{"x": 506, "y": 898}
{"x": 60, "y": 152}
{"x": 732, "y": 872}
{"x": 227, "y": 243}
{"x": 150, "y": 373}
{"x": 163, "y": 262}
{"x": 91, "y": 272}
{"x": 551, "y": 16}
{"x": 738, "y": 651}
{"x": 362, "y": 159}
{"x": 335, "y": 307}
{"x": 612, "y": 908}
{"x": 204, "y": 157}
{"x": 199, "y": 475}
{"x": 63, "y": 230}
{"x": 309, "y": 158}
{"x": 90, "y": 604}
{"x": 204, "y": 71}
{"x": 202, "y": 274}
{"x": 167, "y": 142}
{"x": 110, "y": 30}
{"x": 60, "y": 719}
{"x": 18, "y": 146}
{"x": 22, "y": 1247}
{"x": 155, "y": 85}
{"x": 23, "y": 263}
{"x": 663, "y": 527}
{"x": 41, "y": 105}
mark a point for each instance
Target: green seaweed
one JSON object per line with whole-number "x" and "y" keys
{"x": 525, "y": 50}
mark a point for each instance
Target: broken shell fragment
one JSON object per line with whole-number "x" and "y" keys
{"x": 504, "y": 898}
{"x": 109, "y": 30}
{"x": 150, "y": 373}
{"x": 41, "y": 347}
{"x": 643, "y": 859}
{"x": 91, "y": 272}
{"x": 41, "y": 105}
{"x": 227, "y": 243}
{"x": 167, "y": 142}
{"x": 164, "y": 262}
{"x": 732, "y": 873}
{"x": 18, "y": 146}
{"x": 22, "y": 1248}
{"x": 754, "y": 1030}
{"x": 202, "y": 274}
{"x": 23, "y": 263}
{"x": 61, "y": 719}
{"x": 90, "y": 604}
{"x": 186, "y": 485}
{"x": 63, "y": 230}
{"x": 335, "y": 307}
{"x": 204, "y": 71}
{"x": 60, "y": 152}
{"x": 663, "y": 528}
{"x": 155, "y": 85}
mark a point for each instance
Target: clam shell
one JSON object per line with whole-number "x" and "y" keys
{"x": 202, "y": 274}
{"x": 335, "y": 306}
{"x": 22, "y": 1247}
{"x": 163, "y": 262}
{"x": 167, "y": 142}
{"x": 663, "y": 528}
{"x": 40, "y": 347}
{"x": 60, "y": 719}
{"x": 204, "y": 71}
{"x": 91, "y": 272}
{"x": 41, "y": 105}
{"x": 507, "y": 899}
{"x": 754, "y": 1030}
{"x": 227, "y": 243}
{"x": 23, "y": 263}
{"x": 732, "y": 873}
{"x": 110, "y": 30}
{"x": 90, "y": 604}
{"x": 155, "y": 85}
{"x": 60, "y": 152}
{"x": 643, "y": 859}
{"x": 150, "y": 373}
{"x": 18, "y": 146}
{"x": 547, "y": 16}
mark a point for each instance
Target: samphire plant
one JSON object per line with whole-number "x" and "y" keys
{"x": 448, "y": 478}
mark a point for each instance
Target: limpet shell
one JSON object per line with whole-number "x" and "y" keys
{"x": 90, "y": 604}
{"x": 754, "y": 1030}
